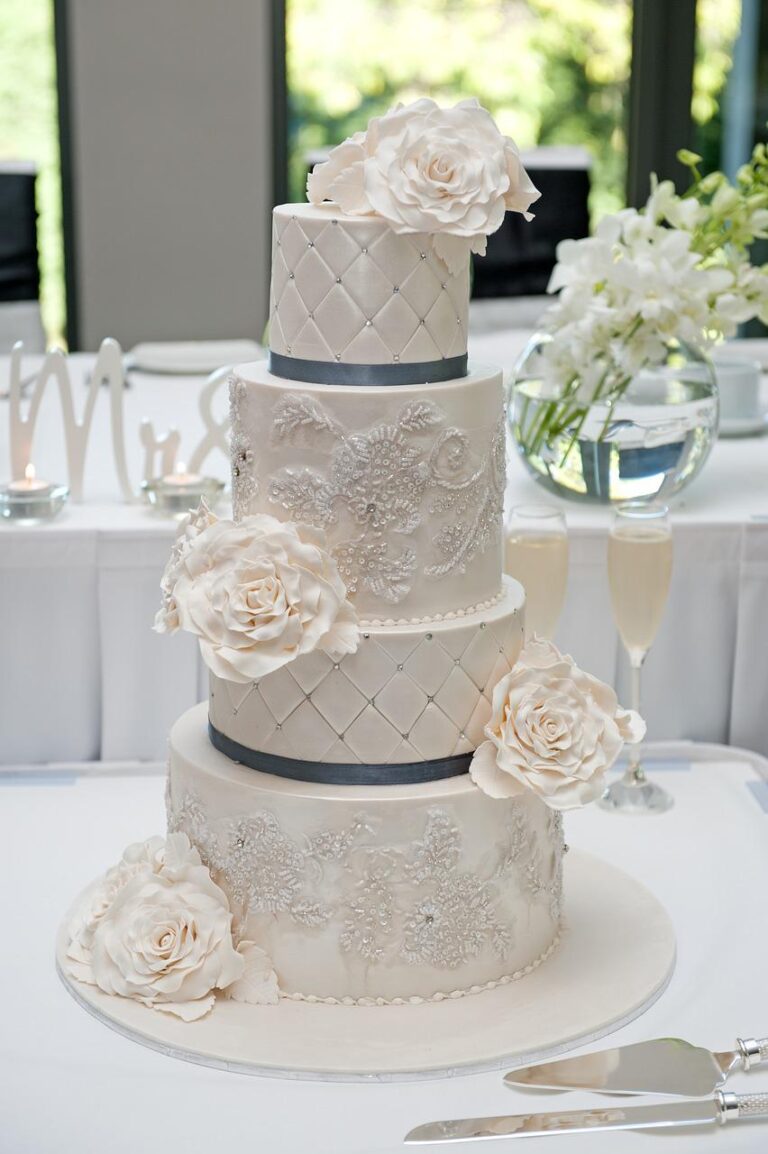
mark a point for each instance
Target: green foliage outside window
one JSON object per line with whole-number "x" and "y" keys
{"x": 550, "y": 71}
{"x": 29, "y": 131}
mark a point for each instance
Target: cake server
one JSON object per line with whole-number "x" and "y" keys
{"x": 724, "y": 1107}
{"x": 661, "y": 1066}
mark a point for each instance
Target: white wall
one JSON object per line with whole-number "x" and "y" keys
{"x": 172, "y": 172}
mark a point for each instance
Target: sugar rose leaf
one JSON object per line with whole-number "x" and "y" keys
{"x": 258, "y": 983}
{"x": 187, "y": 1011}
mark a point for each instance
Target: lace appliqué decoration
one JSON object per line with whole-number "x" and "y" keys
{"x": 245, "y": 486}
{"x": 387, "y": 482}
{"x": 409, "y": 902}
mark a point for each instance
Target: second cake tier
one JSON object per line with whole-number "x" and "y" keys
{"x": 409, "y": 705}
{"x": 405, "y": 483}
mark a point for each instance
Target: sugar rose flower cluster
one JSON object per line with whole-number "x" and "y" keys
{"x": 256, "y": 593}
{"x": 554, "y": 729}
{"x": 447, "y": 172}
{"x": 157, "y": 929}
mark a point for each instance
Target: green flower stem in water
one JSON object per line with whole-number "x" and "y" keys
{"x": 558, "y": 415}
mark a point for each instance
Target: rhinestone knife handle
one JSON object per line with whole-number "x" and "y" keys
{"x": 737, "y": 1106}
{"x": 753, "y": 1051}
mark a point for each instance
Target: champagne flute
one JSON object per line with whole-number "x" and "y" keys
{"x": 537, "y": 556}
{"x": 639, "y": 573}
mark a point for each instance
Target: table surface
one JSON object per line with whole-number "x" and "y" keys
{"x": 733, "y": 487}
{"x": 112, "y": 688}
{"x": 67, "y": 1083}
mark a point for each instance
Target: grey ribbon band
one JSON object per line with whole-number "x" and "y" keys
{"x": 339, "y": 773}
{"x": 336, "y": 373}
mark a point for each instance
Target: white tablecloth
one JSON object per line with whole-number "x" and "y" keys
{"x": 68, "y": 1084}
{"x": 84, "y": 677}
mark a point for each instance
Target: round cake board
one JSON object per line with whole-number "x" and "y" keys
{"x": 614, "y": 960}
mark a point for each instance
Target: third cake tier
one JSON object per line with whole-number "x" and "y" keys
{"x": 409, "y": 705}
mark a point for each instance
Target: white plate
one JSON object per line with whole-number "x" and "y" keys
{"x": 614, "y": 960}
{"x": 183, "y": 358}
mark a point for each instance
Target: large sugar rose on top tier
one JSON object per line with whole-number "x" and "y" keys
{"x": 257, "y": 594}
{"x": 554, "y": 730}
{"x": 426, "y": 169}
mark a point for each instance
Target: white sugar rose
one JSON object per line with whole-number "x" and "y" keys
{"x": 554, "y": 730}
{"x": 156, "y": 855}
{"x": 84, "y": 919}
{"x": 167, "y": 617}
{"x": 167, "y": 943}
{"x": 259, "y": 593}
{"x": 156, "y": 928}
{"x": 143, "y": 857}
{"x": 425, "y": 169}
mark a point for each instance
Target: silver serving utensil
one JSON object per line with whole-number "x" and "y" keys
{"x": 724, "y": 1107}
{"x": 661, "y": 1066}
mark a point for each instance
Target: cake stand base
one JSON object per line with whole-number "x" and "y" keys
{"x": 615, "y": 958}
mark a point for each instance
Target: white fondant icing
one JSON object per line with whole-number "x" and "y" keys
{"x": 371, "y": 892}
{"x": 348, "y": 289}
{"x": 406, "y": 483}
{"x": 409, "y": 693}
{"x": 451, "y": 995}
{"x": 452, "y": 615}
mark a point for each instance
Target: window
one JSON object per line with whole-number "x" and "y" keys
{"x": 29, "y": 132}
{"x": 550, "y": 71}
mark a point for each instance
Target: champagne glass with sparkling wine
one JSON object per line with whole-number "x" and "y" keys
{"x": 537, "y": 557}
{"x": 639, "y": 572}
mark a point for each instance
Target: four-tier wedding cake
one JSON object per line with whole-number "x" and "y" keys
{"x": 368, "y": 811}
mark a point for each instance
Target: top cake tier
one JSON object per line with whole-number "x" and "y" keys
{"x": 354, "y": 303}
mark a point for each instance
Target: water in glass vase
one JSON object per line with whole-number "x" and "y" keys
{"x": 540, "y": 564}
{"x": 650, "y": 443}
{"x": 639, "y": 570}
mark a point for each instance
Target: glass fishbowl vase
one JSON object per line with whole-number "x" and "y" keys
{"x": 652, "y": 442}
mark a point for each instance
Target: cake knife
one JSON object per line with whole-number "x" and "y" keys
{"x": 723, "y": 1107}
{"x": 661, "y": 1066}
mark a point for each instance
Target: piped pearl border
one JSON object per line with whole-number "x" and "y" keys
{"x": 451, "y": 615}
{"x": 440, "y": 996}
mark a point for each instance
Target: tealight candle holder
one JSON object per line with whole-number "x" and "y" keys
{"x": 30, "y": 499}
{"x": 176, "y": 493}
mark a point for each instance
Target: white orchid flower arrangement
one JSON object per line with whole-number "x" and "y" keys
{"x": 676, "y": 270}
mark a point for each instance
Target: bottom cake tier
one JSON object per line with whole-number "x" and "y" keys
{"x": 372, "y": 893}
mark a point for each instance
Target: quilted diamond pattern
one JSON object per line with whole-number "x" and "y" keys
{"x": 405, "y": 695}
{"x": 351, "y": 290}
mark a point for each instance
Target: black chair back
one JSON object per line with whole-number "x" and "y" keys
{"x": 521, "y": 255}
{"x": 19, "y": 270}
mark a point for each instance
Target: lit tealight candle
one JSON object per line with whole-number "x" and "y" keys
{"x": 181, "y": 478}
{"x": 29, "y": 483}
